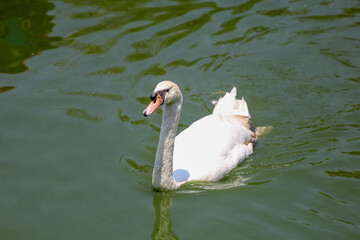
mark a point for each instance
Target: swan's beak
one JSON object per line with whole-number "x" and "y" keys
{"x": 153, "y": 105}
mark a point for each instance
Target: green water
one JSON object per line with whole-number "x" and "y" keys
{"x": 76, "y": 154}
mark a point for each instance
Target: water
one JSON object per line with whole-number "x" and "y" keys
{"x": 76, "y": 154}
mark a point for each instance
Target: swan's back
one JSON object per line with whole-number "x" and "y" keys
{"x": 210, "y": 147}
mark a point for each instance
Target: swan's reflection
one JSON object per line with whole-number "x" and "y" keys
{"x": 162, "y": 226}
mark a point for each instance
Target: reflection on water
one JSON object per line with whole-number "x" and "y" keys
{"x": 162, "y": 226}
{"x": 24, "y": 26}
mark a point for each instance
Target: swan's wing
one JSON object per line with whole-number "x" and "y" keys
{"x": 211, "y": 147}
{"x": 229, "y": 105}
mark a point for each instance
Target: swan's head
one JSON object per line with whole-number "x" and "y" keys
{"x": 167, "y": 93}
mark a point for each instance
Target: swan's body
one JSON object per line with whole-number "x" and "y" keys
{"x": 205, "y": 151}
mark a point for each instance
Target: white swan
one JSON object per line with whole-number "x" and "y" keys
{"x": 205, "y": 151}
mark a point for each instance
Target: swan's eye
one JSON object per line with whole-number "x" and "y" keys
{"x": 166, "y": 90}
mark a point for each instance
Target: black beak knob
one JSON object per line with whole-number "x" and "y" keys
{"x": 153, "y": 96}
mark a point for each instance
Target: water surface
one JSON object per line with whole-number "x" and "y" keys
{"x": 76, "y": 154}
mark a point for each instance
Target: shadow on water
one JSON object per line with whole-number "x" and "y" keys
{"x": 24, "y": 26}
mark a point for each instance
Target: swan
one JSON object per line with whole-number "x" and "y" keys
{"x": 208, "y": 149}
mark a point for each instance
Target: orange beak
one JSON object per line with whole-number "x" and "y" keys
{"x": 153, "y": 105}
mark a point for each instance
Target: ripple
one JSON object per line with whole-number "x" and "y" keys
{"x": 328, "y": 196}
{"x": 199, "y": 187}
{"x": 344, "y": 221}
{"x": 82, "y": 114}
{"x": 338, "y": 55}
{"x": 345, "y": 174}
{"x": 334, "y": 127}
{"x": 346, "y": 13}
{"x": 282, "y": 12}
{"x": 123, "y": 117}
{"x": 250, "y": 35}
{"x": 182, "y": 20}
{"x": 229, "y": 26}
{"x": 353, "y": 139}
{"x": 260, "y": 183}
{"x": 21, "y": 36}
{"x": 138, "y": 167}
{"x": 279, "y": 165}
{"x": 6, "y": 88}
{"x": 352, "y": 153}
{"x": 154, "y": 70}
{"x": 98, "y": 95}
{"x": 110, "y": 70}
{"x": 163, "y": 39}
{"x": 235, "y": 178}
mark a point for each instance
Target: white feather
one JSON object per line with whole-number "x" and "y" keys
{"x": 209, "y": 148}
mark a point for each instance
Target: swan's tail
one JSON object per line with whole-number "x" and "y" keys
{"x": 229, "y": 105}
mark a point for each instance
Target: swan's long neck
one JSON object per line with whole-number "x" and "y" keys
{"x": 163, "y": 168}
